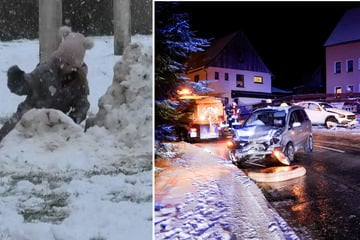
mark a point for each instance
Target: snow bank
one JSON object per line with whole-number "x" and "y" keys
{"x": 126, "y": 107}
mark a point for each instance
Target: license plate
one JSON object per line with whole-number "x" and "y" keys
{"x": 193, "y": 134}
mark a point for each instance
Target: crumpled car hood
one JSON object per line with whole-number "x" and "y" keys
{"x": 255, "y": 132}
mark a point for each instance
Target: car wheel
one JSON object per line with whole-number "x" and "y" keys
{"x": 309, "y": 144}
{"x": 290, "y": 152}
{"x": 331, "y": 122}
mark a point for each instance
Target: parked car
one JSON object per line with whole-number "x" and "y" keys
{"x": 274, "y": 132}
{"x": 322, "y": 113}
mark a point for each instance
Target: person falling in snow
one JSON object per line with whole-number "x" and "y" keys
{"x": 59, "y": 83}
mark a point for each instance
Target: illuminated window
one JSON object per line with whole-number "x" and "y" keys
{"x": 337, "y": 67}
{"x": 338, "y": 90}
{"x": 350, "y": 65}
{"x": 216, "y": 75}
{"x": 226, "y": 77}
{"x": 240, "y": 80}
{"x": 196, "y": 78}
{"x": 258, "y": 79}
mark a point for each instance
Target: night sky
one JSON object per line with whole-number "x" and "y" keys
{"x": 288, "y": 36}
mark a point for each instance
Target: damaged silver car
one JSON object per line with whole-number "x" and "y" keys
{"x": 274, "y": 132}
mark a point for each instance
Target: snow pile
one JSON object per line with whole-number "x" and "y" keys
{"x": 129, "y": 95}
{"x": 44, "y": 122}
{"x": 59, "y": 182}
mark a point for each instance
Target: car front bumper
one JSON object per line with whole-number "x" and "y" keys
{"x": 257, "y": 151}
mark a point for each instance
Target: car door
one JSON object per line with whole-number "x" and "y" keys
{"x": 316, "y": 113}
{"x": 299, "y": 132}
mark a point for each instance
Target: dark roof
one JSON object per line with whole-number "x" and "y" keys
{"x": 201, "y": 59}
{"x": 244, "y": 55}
{"x": 251, "y": 94}
{"x": 347, "y": 29}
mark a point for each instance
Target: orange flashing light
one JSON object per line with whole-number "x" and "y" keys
{"x": 280, "y": 156}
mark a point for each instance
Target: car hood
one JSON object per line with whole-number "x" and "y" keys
{"x": 339, "y": 111}
{"x": 255, "y": 132}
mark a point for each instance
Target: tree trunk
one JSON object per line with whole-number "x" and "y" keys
{"x": 122, "y": 28}
{"x": 50, "y": 19}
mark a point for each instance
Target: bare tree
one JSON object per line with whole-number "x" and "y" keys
{"x": 50, "y": 19}
{"x": 122, "y": 28}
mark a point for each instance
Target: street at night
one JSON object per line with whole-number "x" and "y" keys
{"x": 322, "y": 204}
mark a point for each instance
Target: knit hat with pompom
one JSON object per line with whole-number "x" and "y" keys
{"x": 71, "y": 51}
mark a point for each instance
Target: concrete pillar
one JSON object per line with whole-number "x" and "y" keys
{"x": 122, "y": 25}
{"x": 50, "y": 19}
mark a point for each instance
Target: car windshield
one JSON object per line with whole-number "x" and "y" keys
{"x": 325, "y": 105}
{"x": 267, "y": 118}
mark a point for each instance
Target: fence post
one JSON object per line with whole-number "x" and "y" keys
{"x": 50, "y": 19}
{"x": 122, "y": 28}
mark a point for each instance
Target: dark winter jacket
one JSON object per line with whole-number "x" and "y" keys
{"x": 47, "y": 87}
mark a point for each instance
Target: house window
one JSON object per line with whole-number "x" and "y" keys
{"x": 350, "y": 65}
{"x": 337, "y": 67}
{"x": 226, "y": 77}
{"x": 338, "y": 90}
{"x": 258, "y": 79}
{"x": 216, "y": 75}
{"x": 240, "y": 80}
{"x": 196, "y": 78}
{"x": 350, "y": 88}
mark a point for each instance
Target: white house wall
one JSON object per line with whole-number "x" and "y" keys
{"x": 224, "y": 87}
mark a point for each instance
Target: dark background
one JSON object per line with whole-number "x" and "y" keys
{"x": 20, "y": 18}
{"x": 288, "y": 36}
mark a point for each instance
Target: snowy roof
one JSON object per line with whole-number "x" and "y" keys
{"x": 347, "y": 29}
{"x": 200, "y": 59}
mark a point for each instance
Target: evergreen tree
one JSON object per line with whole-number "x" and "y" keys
{"x": 174, "y": 42}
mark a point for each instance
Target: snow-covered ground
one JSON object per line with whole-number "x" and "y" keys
{"x": 214, "y": 201}
{"x": 59, "y": 182}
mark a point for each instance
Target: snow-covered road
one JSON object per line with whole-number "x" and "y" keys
{"x": 201, "y": 196}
